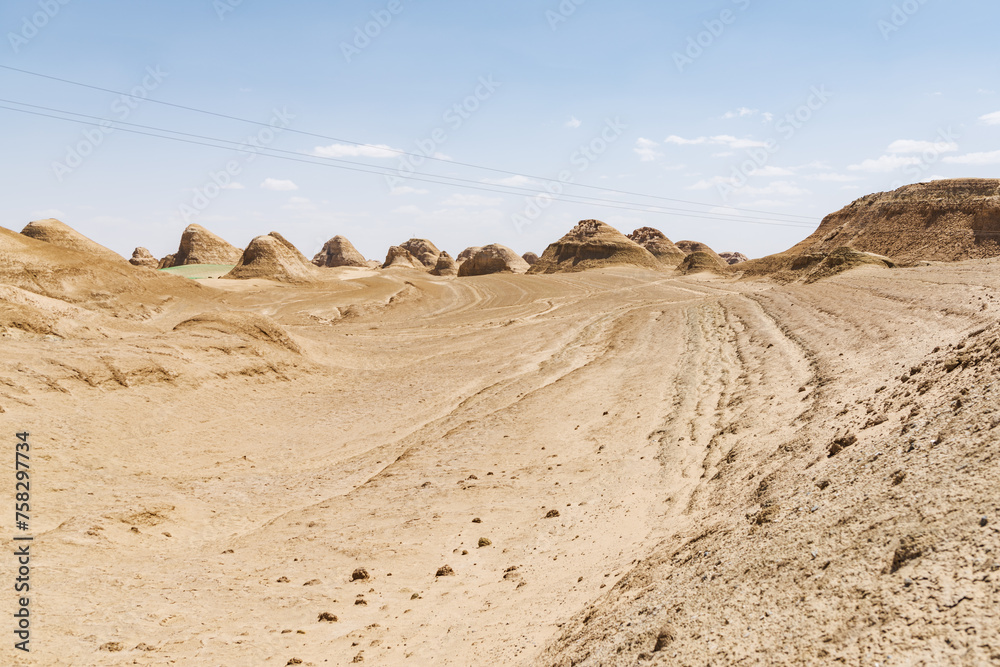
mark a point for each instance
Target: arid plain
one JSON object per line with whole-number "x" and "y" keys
{"x": 625, "y": 465}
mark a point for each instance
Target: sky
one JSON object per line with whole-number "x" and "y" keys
{"x": 737, "y": 123}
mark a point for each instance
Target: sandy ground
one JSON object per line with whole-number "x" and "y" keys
{"x": 201, "y": 496}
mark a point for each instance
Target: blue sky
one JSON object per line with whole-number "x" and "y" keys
{"x": 754, "y": 112}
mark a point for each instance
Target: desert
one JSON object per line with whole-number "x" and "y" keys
{"x": 629, "y": 464}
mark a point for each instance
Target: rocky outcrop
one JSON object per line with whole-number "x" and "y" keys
{"x": 467, "y": 253}
{"x": 200, "y": 246}
{"x": 657, "y": 243}
{"x": 338, "y": 251}
{"x": 593, "y": 244}
{"x": 445, "y": 266}
{"x": 494, "y": 258}
{"x": 733, "y": 258}
{"x": 166, "y": 262}
{"x": 530, "y": 257}
{"x": 702, "y": 262}
{"x": 271, "y": 257}
{"x": 62, "y": 235}
{"x": 142, "y": 257}
{"x": 400, "y": 257}
{"x": 947, "y": 220}
{"x": 425, "y": 251}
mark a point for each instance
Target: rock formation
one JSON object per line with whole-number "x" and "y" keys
{"x": 445, "y": 266}
{"x": 947, "y": 220}
{"x": 700, "y": 262}
{"x": 200, "y": 246}
{"x": 338, "y": 251}
{"x": 142, "y": 257}
{"x": 733, "y": 258}
{"x": 467, "y": 253}
{"x": 400, "y": 257}
{"x": 657, "y": 243}
{"x": 688, "y": 247}
{"x": 273, "y": 258}
{"x": 593, "y": 244}
{"x": 494, "y": 258}
{"x": 425, "y": 251}
{"x": 530, "y": 257}
{"x": 60, "y": 234}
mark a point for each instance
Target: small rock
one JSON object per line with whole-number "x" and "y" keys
{"x": 112, "y": 647}
{"x": 485, "y": 541}
{"x": 313, "y": 582}
{"x": 283, "y": 580}
{"x": 361, "y": 602}
{"x": 445, "y": 571}
{"x": 327, "y": 617}
{"x": 552, "y": 514}
{"x": 664, "y": 638}
{"x": 293, "y": 661}
{"x": 415, "y": 596}
{"x": 983, "y": 521}
{"x": 360, "y": 574}
{"x": 477, "y": 520}
{"x": 358, "y": 658}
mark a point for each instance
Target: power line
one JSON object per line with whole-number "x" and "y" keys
{"x": 393, "y": 150}
{"x": 507, "y": 190}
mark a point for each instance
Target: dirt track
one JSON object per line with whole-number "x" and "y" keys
{"x": 678, "y": 425}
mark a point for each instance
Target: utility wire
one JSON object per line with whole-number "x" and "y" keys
{"x": 393, "y": 150}
{"x": 510, "y": 189}
{"x": 507, "y": 190}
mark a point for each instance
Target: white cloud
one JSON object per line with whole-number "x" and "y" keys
{"x": 911, "y": 146}
{"x": 991, "y": 118}
{"x": 733, "y": 143}
{"x": 278, "y": 185}
{"x": 407, "y": 190}
{"x": 885, "y": 163}
{"x": 767, "y": 116}
{"x": 574, "y": 123}
{"x": 646, "y": 150}
{"x": 992, "y": 157}
{"x": 471, "y": 200}
{"x": 351, "y": 150}
{"x": 299, "y": 204}
{"x": 742, "y": 112}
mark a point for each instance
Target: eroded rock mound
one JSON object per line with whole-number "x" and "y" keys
{"x": 593, "y": 244}
{"x": 338, "y": 251}
{"x": 250, "y": 326}
{"x": 142, "y": 257}
{"x": 271, "y": 257}
{"x": 467, "y": 253}
{"x": 60, "y": 234}
{"x": 688, "y": 247}
{"x": 445, "y": 266}
{"x": 840, "y": 260}
{"x": 657, "y": 243}
{"x": 702, "y": 262}
{"x": 733, "y": 258}
{"x": 494, "y": 258}
{"x": 400, "y": 257}
{"x": 200, "y": 246}
{"x": 947, "y": 220}
{"x": 530, "y": 257}
{"x": 425, "y": 251}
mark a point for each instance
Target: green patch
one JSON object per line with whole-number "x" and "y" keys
{"x": 201, "y": 271}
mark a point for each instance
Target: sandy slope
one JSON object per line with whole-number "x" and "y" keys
{"x": 679, "y": 426}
